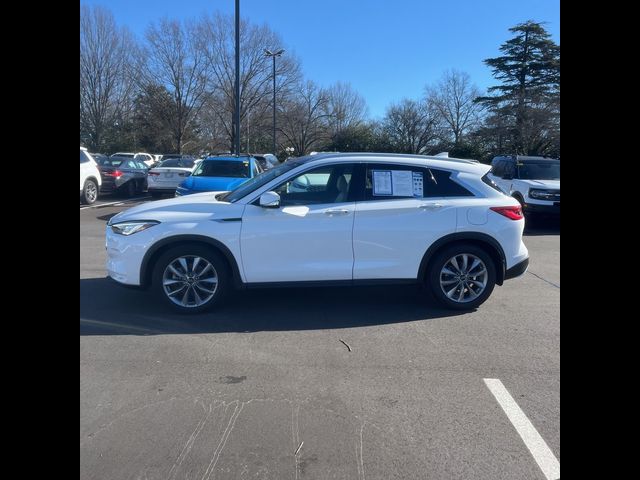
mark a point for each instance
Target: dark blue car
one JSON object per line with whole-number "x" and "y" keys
{"x": 219, "y": 173}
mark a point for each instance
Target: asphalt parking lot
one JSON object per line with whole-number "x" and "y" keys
{"x": 264, "y": 387}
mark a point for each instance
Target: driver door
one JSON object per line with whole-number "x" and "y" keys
{"x": 310, "y": 236}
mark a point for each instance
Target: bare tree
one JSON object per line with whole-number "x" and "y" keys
{"x": 172, "y": 60}
{"x": 410, "y": 126}
{"x": 217, "y": 43}
{"x": 453, "y": 97}
{"x": 106, "y": 88}
{"x": 303, "y": 121}
{"x": 346, "y": 108}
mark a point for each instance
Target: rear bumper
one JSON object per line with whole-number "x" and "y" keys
{"x": 517, "y": 270}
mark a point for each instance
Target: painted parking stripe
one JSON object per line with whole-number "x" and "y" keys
{"x": 541, "y": 452}
{"x": 113, "y": 203}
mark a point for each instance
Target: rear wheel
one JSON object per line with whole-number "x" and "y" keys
{"x": 89, "y": 192}
{"x": 129, "y": 188}
{"x": 191, "y": 278}
{"x": 462, "y": 277}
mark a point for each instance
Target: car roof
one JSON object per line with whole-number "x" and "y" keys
{"x": 450, "y": 163}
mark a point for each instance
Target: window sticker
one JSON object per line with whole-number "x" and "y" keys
{"x": 418, "y": 185}
{"x": 382, "y": 182}
{"x": 402, "y": 183}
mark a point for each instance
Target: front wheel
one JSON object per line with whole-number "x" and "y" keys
{"x": 191, "y": 278}
{"x": 462, "y": 277}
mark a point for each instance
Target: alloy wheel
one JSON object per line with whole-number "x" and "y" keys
{"x": 190, "y": 281}
{"x": 463, "y": 277}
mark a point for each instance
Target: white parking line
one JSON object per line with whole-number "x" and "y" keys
{"x": 113, "y": 203}
{"x": 541, "y": 452}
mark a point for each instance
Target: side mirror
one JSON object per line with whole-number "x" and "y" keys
{"x": 270, "y": 200}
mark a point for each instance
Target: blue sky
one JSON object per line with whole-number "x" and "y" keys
{"x": 387, "y": 50}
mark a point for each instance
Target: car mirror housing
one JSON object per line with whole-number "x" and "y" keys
{"x": 270, "y": 200}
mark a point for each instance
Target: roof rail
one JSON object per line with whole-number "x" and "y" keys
{"x": 394, "y": 155}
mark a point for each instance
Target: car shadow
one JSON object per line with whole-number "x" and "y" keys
{"x": 542, "y": 226}
{"x": 109, "y": 309}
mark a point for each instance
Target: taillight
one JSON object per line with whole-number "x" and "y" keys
{"x": 513, "y": 213}
{"x": 154, "y": 174}
{"x": 117, "y": 174}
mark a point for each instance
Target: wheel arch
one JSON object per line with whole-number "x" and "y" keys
{"x": 158, "y": 248}
{"x": 482, "y": 240}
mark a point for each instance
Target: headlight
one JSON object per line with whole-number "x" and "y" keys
{"x": 129, "y": 228}
{"x": 542, "y": 194}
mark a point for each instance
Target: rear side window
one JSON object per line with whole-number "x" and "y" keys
{"x": 389, "y": 181}
{"x": 498, "y": 168}
{"x": 84, "y": 158}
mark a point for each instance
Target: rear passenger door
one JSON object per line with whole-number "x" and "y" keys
{"x": 405, "y": 209}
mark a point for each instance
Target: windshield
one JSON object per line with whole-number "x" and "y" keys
{"x": 539, "y": 171}
{"x": 256, "y": 182}
{"x": 223, "y": 168}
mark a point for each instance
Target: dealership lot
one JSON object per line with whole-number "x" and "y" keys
{"x": 356, "y": 383}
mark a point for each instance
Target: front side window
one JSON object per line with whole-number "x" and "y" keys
{"x": 389, "y": 181}
{"x": 326, "y": 184}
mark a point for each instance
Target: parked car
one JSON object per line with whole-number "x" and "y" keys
{"x": 90, "y": 179}
{"x": 123, "y": 175}
{"x": 220, "y": 173}
{"x": 147, "y": 158}
{"x": 533, "y": 181}
{"x": 166, "y": 177}
{"x": 379, "y": 218}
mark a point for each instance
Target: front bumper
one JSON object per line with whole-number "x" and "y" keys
{"x": 548, "y": 209}
{"x": 124, "y": 257}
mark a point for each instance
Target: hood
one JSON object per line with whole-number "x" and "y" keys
{"x": 552, "y": 184}
{"x": 208, "y": 184}
{"x": 194, "y": 207}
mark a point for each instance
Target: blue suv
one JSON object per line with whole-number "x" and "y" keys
{"x": 220, "y": 173}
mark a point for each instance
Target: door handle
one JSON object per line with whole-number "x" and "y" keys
{"x": 336, "y": 211}
{"x": 430, "y": 206}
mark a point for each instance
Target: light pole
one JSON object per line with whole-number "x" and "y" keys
{"x": 237, "y": 85}
{"x": 268, "y": 53}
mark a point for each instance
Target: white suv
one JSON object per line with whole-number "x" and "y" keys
{"x": 533, "y": 181}
{"x": 90, "y": 179}
{"x": 327, "y": 219}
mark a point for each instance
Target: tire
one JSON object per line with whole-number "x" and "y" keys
{"x": 467, "y": 293}
{"x": 129, "y": 189}
{"x": 89, "y": 192}
{"x": 165, "y": 281}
